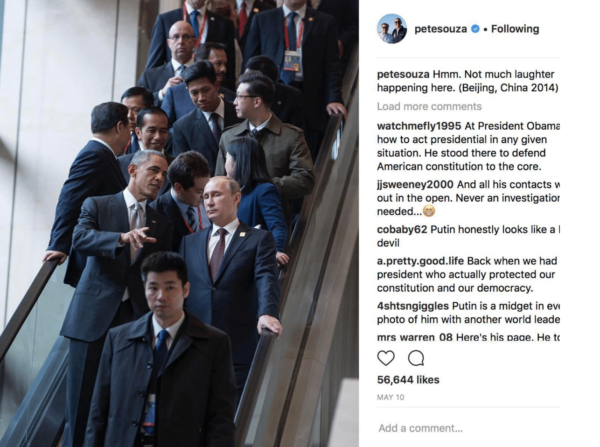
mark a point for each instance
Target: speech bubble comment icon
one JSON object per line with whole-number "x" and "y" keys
{"x": 416, "y": 358}
{"x": 386, "y": 357}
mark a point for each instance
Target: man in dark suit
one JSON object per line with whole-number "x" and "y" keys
{"x": 95, "y": 172}
{"x": 288, "y": 159}
{"x": 201, "y": 129}
{"x": 246, "y": 10}
{"x": 313, "y": 62}
{"x": 116, "y": 233}
{"x": 178, "y": 103}
{"x": 345, "y": 13}
{"x": 182, "y": 205}
{"x": 399, "y": 31}
{"x": 159, "y": 79}
{"x": 288, "y": 101}
{"x": 152, "y": 131}
{"x": 135, "y": 99}
{"x": 208, "y": 27}
{"x": 233, "y": 275}
{"x": 187, "y": 397}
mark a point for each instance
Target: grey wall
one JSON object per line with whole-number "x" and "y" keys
{"x": 58, "y": 59}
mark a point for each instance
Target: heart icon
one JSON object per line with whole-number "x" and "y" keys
{"x": 386, "y": 357}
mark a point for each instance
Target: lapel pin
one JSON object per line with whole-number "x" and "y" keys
{"x": 212, "y": 19}
{"x": 222, "y": 95}
{"x": 255, "y": 10}
{"x": 153, "y": 221}
{"x": 242, "y": 234}
{"x": 310, "y": 19}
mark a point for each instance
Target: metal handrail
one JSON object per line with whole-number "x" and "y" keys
{"x": 27, "y": 303}
{"x": 323, "y": 165}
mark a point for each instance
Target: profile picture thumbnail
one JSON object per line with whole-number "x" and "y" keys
{"x": 391, "y": 28}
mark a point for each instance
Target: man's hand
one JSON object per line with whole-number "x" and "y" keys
{"x": 175, "y": 80}
{"x": 269, "y": 322}
{"x": 333, "y": 108}
{"x": 50, "y": 254}
{"x": 136, "y": 238}
{"x": 282, "y": 259}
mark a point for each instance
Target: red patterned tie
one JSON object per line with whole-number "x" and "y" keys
{"x": 217, "y": 255}
{"x": 243, "y": 18}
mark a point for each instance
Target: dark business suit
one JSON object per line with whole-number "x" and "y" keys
{"x": 196, "y": 391}
{"x": 154, "y": 79}
{"x": 345, "y": 13}
{"x": 166, "y": 206}
{"x": 261, "y": 205}
{"x": 97, "y": 303}
{"x": 246, "y": 288}
{"x": 95, "y": 172}
{"x": 220, "y": 29}
{"x": 288, "y": 105}
{"x": 125, "y": 161}
{"x": 257, "y": 7}
{"x": 192, "y": 132}
{"x": 177, "y": 102}
{"x": 320, "y": 58}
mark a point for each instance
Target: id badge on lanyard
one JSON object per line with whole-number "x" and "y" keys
{"x": 291, "y": 58}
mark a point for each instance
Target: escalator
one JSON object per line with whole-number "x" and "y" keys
{"x": 293, "y": 383}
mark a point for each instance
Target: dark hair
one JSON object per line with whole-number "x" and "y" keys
{"x": 199, "y": 70}
{"x": 106, "y": 116}
{"x": 152, "y": 110}
{"x": 250, "y": 163}
{"x": 186, "y": 167}
{"x": 165, "y": 261}
{"x": 203, "y": 50}
{"x": 141, "y": 157}
{"x": 146, "y": 95}
{"x": 265, "y": 65}
{"x": 259, "y": 85}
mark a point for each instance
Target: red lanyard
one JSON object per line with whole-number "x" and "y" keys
{"x": 199, "y": 39}
{"x": 287, "y": 35}
{"x": 127, "y": 147}
{"x": 185, "y": 221}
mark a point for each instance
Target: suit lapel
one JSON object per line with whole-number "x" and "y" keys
{"x": 112, "y": 161}
{"x": 206, "y": 132}
{"x": 309, "y": 19}
{"x": 152, "y": 224}
{"x": 236, "y": 242}
{"x": 174, "y": 214}
{"x": 118, "y": 208}
{"x": 201, "y": 252}
{"x": 188, "y": 333}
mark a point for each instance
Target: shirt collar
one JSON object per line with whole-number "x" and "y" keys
{"x": 260, "y": 126}
{"x": 105, "y": 144}
{"x": 286, "y": 11}
{"x": 249, "y": 4}
{"x": 219, "y": 111}
{"x": 202, "y": 10}
{"x": 230, "y": 227}
{"x": 176, "y": 64}
{"x": 130, "y": 200}
{"x": 172, "y": 330}
{"x": 183, "y": 207}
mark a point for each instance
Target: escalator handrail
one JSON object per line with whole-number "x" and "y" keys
{"x": 323, "y": 164}
{"x": 24, "y": 309}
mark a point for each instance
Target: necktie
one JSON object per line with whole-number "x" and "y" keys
{"x": 217, "y": 255}
{"x": 181, "y": 69}
{"x": 289, "y": 76}
{"x": 216, "y": 129}
{"x": 191, "y": 217}
{"x": 194, "y": 16}
{"x": 135, "y": 221}
{"x": 243, "y": 18}
{"x": 254, "y": 132}
{"x": 160, "y": 354}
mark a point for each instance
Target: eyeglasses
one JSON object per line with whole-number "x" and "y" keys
{"x": 184, "y": 37}
{"x": 245, "y": 96}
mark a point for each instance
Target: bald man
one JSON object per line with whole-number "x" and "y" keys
{"x": 181, "y": 43}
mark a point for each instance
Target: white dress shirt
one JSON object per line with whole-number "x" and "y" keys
{"x": 219, "y": 111}
{"x": 172, "y": 330}
{"x": 129, "y": 202}
{"x": 300, "y": 14}
{"x": 105, "y": 144}
{"x": 176, "y": 66}
{"x": 215, "y": 237}
{"x": 249, "y": 5}
{"x": 260, "y": 126}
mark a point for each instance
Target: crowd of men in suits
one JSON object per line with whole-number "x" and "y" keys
{"x": 172, "y": 289}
